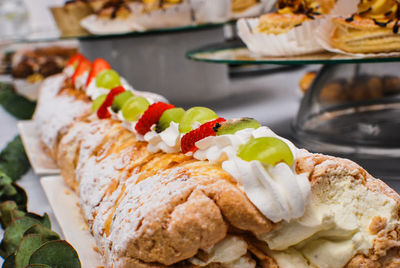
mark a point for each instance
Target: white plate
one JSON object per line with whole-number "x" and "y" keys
{"x": 26, "y": 89}
{"x": 64, "y": 203}
{"x": 41, "y": 163}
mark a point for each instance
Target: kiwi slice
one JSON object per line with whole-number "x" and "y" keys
{"x": 234, "y": 125}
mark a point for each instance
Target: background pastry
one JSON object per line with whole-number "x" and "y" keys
{"x": 373, "y": 29}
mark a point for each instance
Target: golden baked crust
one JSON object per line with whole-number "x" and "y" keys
{"x": 363, "y": 35}
{"x": 243, "y": 5}
{"x": 275, "y": 23}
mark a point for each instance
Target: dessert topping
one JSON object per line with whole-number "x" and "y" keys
{"x": 98, "y": 66}
{"x": 151, "y": 116}
{"x": 120, "y": 100}
{"x": 83, "y": 67}
{"x": 134, "y": 107}
{"x": 267, "y": 150}
{"x": 205, "y": 130}
{"x": 171, "y": 115}
{"x": 108, "y": 79}
{"x": 196, "y": 114}
{"x": 234, "y": 125}
{"x": 103, "y": 112}
{"x": 98, "y": 102}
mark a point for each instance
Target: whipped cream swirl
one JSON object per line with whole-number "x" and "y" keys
{"x": 80, "y": 81}
{"x": 277, "y": 191}
{"x": 69, "y": 71}
{"x": 167, "y": 141}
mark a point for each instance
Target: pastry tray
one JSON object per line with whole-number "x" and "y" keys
{"x": 236, "y": 53}
{"x": 41, "y": 163}
{"x": 65, "y": 205}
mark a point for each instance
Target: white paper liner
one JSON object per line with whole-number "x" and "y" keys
{"x": 174, "y": 16}
{"x": 300, "y": 40}
{"x": 256, "y": 10}
{"x": 95, "y": 25}
{"x": 211, "y": 11}
{"x": 344, "y": 8}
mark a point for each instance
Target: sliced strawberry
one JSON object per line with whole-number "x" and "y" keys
{"x": 74, "y": 60}
{"x": 84, "y": 66}
{"x": 98, "y": 66}
{"x": 151, "y": 116}
{"x": 103, "y": 112}
{"x": 188, "y": 142}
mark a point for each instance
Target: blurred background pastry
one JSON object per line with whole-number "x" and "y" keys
{"x": 68, "y": 17}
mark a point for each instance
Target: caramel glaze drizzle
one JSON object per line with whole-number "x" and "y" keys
{"x": 300, "y": 7}
{"x": 382, "y": 23}
{"x": 115, "y": 5}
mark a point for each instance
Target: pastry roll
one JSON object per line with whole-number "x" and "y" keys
{"x": 212, "y": 207}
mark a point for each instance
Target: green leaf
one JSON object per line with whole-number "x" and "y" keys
{"x": 57, "y": 254}
{"x": 9, "y": 212}
{"x": 43, "y": 220}
{"x": 16, "y": 104}
{"x": 26, "y": 247}
{"x": 13, "y": 234}
{"x": 13, "y": 160}
{"x": 38, "y": 266}
{"x": 15, "y": 193}
{"x": 9, "y": 262}
{"x": 45, "y": 233}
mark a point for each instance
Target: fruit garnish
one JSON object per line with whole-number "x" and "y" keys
{"x": 98, "y": 66}
{"x": 74, "y": 60}
{"x": 171, "y": 115}
{"x": 98, "y": 102}
{"x": 108, "y": 79}
{"x": 120, "y": 100}
{"x": 83, "y": 66}
{"x": 151, "y": 116}
{"x": 267, "y": 150}
{"x": 235, "y": 125}
{"x": 103, "y": 112}
{"x": 134, "y": 107}
{"x": 188, "y": 142}
{"x": 196, "y": 114}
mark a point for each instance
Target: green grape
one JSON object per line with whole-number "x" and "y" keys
{"x": 170, "y": 115}
{"x": 120, "y": 100}
{"x": 98, "y": 102}
{"x": 267, "y": 150}
{"x": 134, "y": 107}
{"x": 108, "y": 79}
{"x": 196, "y": 114}
{"x": 234, "y": 125}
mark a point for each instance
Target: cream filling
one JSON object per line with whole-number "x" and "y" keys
{"x": 334, "y": 228}
{"x": 80, "y": 82}
{"x": 93, "y": 91}
{"x": 230, "y": 251}
{"x": 277, "y": 191}
{"x": 167, "y": 141}
{"x": 69, "y": 71}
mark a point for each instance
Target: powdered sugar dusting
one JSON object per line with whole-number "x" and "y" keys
{"x": 55, "y": 113}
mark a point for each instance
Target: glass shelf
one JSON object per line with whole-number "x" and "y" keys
{"x": 235, "y": 52}
{"x": 43, "y": 37}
